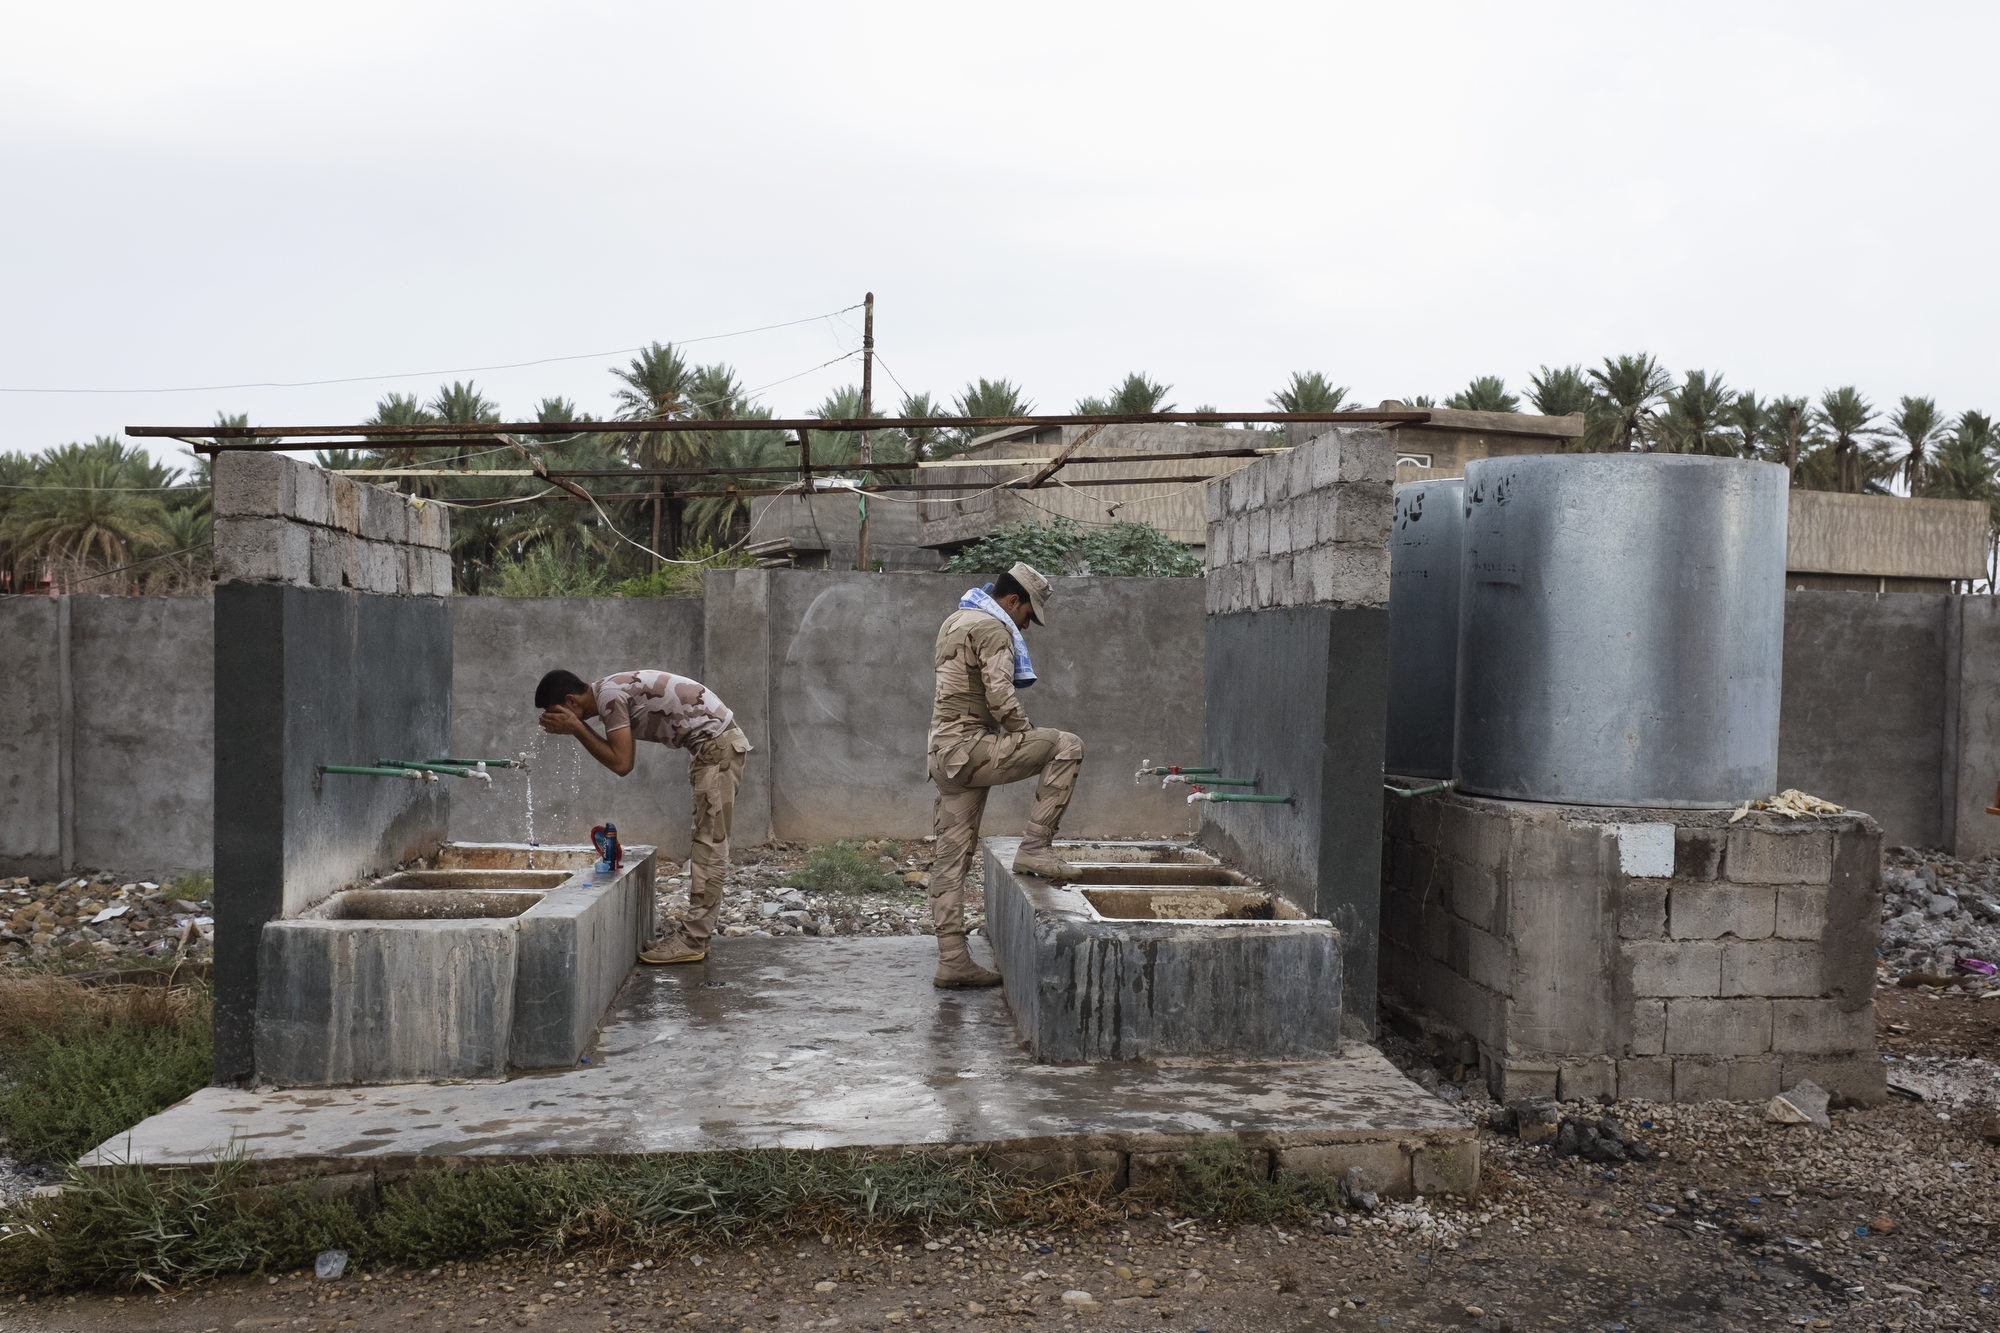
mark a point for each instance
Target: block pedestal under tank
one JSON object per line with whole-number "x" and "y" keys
{"x": 1159, "y": 950}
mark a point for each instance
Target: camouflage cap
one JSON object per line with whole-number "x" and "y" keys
{"x": 1028, "y": 577}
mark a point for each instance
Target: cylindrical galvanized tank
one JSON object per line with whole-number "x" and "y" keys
{"x": 1621, "y": 629}
{"x": 1424, "y": 560}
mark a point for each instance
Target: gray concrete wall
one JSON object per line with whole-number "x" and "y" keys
{"x": 851, "y": 685}
{"x": 1974, "y": 728}
{"x": 501, "y": 646}
{"x": 34, "y": 752}
{"x": 1861, "y": 721}
{"x": 144, "y": 730}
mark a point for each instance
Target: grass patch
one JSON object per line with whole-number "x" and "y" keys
{"x": 79, "y": 1064}
{"x": 192, "y": 888}
{"x": 684, "y": 580}
{"x": 849, "y": 867}
{"x": 126, "y": 1228}
{"x": 1221, "y": 1179}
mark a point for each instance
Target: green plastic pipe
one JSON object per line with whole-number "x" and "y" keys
{"x": 449, "y": 770}
{"x": 474, "y": 763}
{"x": 408, "y": 773}
{"x": 1245, "y": 796}
{"x": 1160, "y": 772}
{"x": 1417, "y": 791}
{"x": 1200, "y": 781}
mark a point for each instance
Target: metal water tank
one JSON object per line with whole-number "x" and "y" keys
{"x": 1621, "y": 629}
{"x": 1423, "y": 626}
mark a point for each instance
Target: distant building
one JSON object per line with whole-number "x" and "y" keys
{"x": 1883, "y": 543}
{"x": 1442, "y": 446}
{"x": 954, "y": 519}
{"x": 822, "y": 531}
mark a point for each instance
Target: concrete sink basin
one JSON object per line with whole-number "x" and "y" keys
{"x": 1159, "y": 952}
{"x": 451, "y": 973}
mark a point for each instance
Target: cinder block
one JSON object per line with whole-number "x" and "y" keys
{"x": 312, "y": 499}
{"x": 1253, "y": 478}
{"x": 345, "y": 497}
{"x": 1323, "y": 455}
{"x": 1820, "y": 1027}
{"x": 1770, "y": 967}
{"x": 1861, "y": 1078}
{"x": 1701, "y": 1080}
{"x": 1326, "y": 515}
{"x": 1853, "y": 931}
{"x": 1446, "y": 1166}
{"x": 1218, "y": 545}
{"x": 1753, "y": 1080}
{"x": 253, "y": 485}
{"x": 1489, "y": 960}
{"x": 1649, "y": 1027}
{"x": 1472, "y": 891}
{"x": 1802, "y": 912}
{"x": 1587, "y": 1080}
{"x": 1698, "y": 852}
{"x": 1708, "y": 911}
{"x": 1718, "y": 1027}
{"x": 1211, "y": 494}
{"x": 328, "y": 558}
{"x": 1649, "y": 1079}
{"x": 262, "y": 550}
{"x": 1365, "y": 513}
{"x": 382, "y": 568}
{"x": 1511, "y": 1077}
{"x": 1673, "y": 968}
{"x": 1299, "y": 466}
{"x": 1266, "y": 576}
{"x": 1763, "y": 856}
{"x": 1366, "y": 454}
{"x": 1359, "y": 576}
{"x": 1281, "y": 528}
{"x": 1277, "y": 479}
{"x": 385, "y": 516}
{"x": 1642, "y": 910}
{"x": 1260, "y": 533}
{"x": 1385, "y": 1164}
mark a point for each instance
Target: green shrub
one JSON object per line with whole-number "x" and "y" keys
{"x": 193, "y": 888}
{"x": 545, "y": 572}
{"x": 684, "y": 580}
{"x": 848, "y": 867}
{"x": 1222, "y": 1179}
{"x": 1064, "y": 546}
{"x": 68, "y": 1092}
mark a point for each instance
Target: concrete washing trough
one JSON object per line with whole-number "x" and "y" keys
{"x": 1159, "y": 950}
{"x": 465, "y": 971}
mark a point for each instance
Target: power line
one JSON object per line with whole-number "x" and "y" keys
{"x": 423, "y": 374}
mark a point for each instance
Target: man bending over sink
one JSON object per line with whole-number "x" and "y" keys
{"x": 670, "y": 710}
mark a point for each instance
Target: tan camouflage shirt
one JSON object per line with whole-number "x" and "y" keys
{"x": 660, "y": 706}
{"x": 975, "y": 680}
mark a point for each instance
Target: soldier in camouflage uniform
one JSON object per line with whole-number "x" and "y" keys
{"x": 674, "y": 711}
{"x": 981, "y": 738}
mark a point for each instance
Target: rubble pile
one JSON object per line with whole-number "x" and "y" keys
{"x": 1940, "y": 917}
{"x": 81, "y": 919}
{"x": 759, "y": 900}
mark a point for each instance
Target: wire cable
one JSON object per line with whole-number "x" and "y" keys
{"x": 422, "y": 374}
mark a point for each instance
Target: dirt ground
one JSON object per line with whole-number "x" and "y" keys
{"x": 1884, "y": 1222}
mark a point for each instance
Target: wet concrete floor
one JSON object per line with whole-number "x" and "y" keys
{"x": 799, "y": 1043}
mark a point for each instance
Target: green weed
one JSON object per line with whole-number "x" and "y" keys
{"x": 848, "y": 867}
{"x": 1222, "y": 1179}
{"x": 684, "y": 580}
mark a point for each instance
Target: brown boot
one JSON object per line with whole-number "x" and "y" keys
{"x": 956, "y": 970}
{"x": 1036, "y": 857}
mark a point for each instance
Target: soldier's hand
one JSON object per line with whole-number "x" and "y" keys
{"x": 559, "y": 721}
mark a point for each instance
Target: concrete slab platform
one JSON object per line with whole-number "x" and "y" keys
{"x": 810, "y": 1043}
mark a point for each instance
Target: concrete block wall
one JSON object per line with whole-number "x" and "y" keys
{"x": 332, "y": 645}
{"x": 1662, "y": 955}
{"x": 281, "y": 520}
{"x": 1308, "y": 527}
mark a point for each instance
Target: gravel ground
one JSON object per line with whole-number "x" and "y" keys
{"x": 96, "y": 920}
{"x": 761, "y": 899}
{"x": 1939, "y": 915}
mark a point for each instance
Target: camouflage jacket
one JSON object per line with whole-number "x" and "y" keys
{"x": 975, "y": 696}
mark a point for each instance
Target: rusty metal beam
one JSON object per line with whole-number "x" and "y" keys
{"x": 253, "y": 437}
{"x": 1062, "y": 456}
{"x": 740, "y": 492}
{"x": 830, "y": 468}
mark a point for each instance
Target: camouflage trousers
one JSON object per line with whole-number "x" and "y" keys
{"x": 963, "y": 774}
{"x": 715, "y": 767}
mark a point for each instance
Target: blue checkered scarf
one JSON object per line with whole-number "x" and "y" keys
{"x": 981, "y": 599}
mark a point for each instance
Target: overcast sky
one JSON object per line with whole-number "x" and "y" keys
{"x": 1402, "y": 196}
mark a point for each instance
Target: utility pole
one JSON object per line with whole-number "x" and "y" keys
{"x": 867, "y": 404}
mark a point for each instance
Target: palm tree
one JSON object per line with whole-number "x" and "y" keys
{"x": 1846, "y": 414}
{"x": 1134, "y": 395}
{"x": 1309, "y": 391}
{"x": 659, "y": 384}
{"x": 96, "y": 503}
{"x": 920, "y": 442}
{"x": 1628, "y": 387}
{"x": 1967, "y": 467}
{"x": 1696, "y": 416}
{"x": 1418, "y": 400}
{"x": 1918, "y": 424}
{"x": 1560, "y": 392}
{"x": 1751, "y": 421}
{"x": 1488, "y": 393}
{"x": 1794, "y": 428}
{"x": 982, "y": 398}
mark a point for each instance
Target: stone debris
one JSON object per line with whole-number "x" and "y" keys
{"x": 1792, "y": 803}
{"x": 98, "y": 920}
{"x": 1937, "y": 911}
{"x": 759, "y": 899}
{"x": 1801, "y": 1105}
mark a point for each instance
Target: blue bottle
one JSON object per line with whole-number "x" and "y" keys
{"x": 609, "y": 854}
